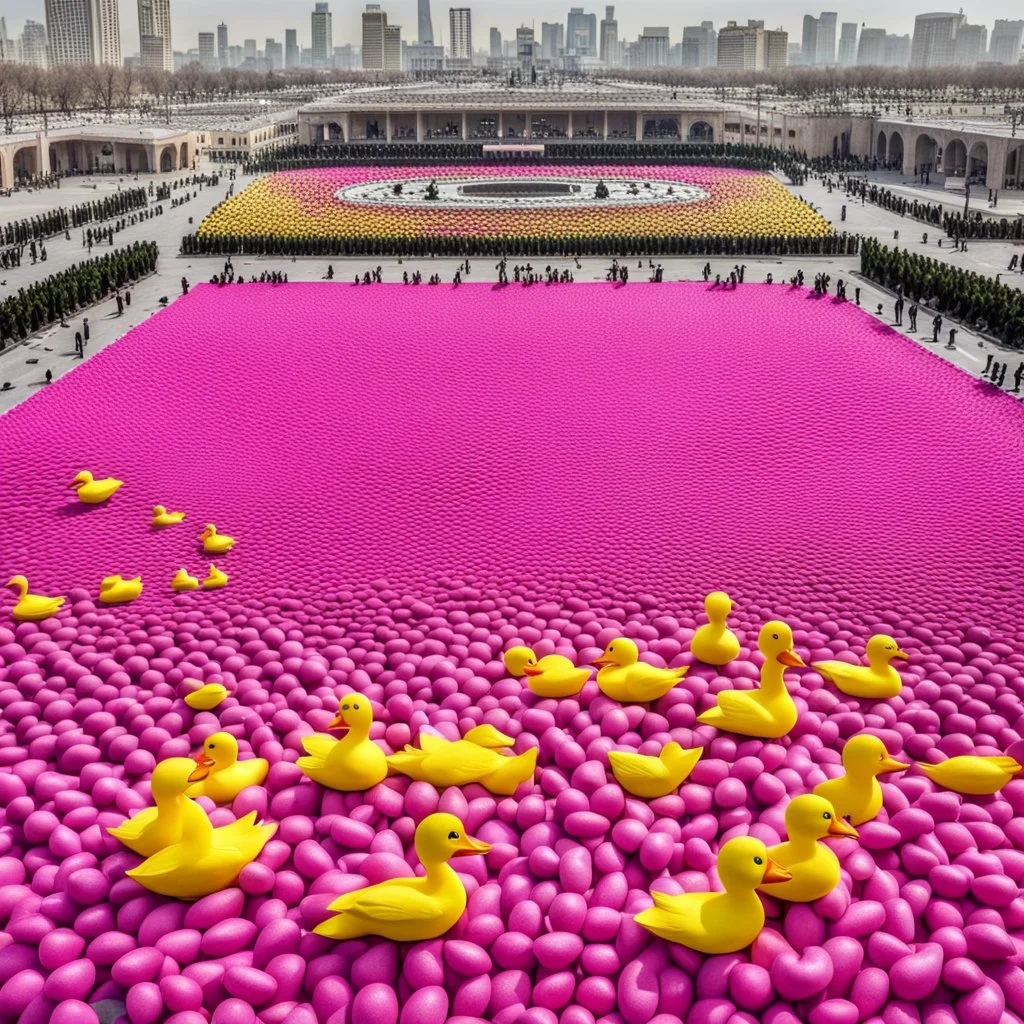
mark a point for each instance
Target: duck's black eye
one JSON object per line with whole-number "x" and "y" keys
{"x": 213, "y": 746}
{"x": 344, "y": 707}
{"x": 355, "y": 707}
{"x": 758, "y": 861}
{"x": 453, "y": 835}
{"x": 827, "y": 816}
{"x": 775, "y": 636}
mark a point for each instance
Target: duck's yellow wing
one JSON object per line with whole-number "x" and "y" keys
{"x": 392, "y": 903}
{"x": 636, "y": 769}
{"x": 737, "y": 709}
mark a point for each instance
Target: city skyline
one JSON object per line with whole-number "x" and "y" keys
{"x": 190, "y": 17}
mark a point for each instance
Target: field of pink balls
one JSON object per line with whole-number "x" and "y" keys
{"x": 419, "y": 479}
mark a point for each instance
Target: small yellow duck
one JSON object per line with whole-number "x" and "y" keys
{"x": 205, "y": 859}
{"x": 207, "y": 697}
{"x": 623, "y": 677}
{"x": 410, "y": 909}
{"x": 215, "y": 543}
{"x": 156, "y": 828}
{"x": 118, "y": 590}
{"x": 215, "y": 579}
{"x": 857, "y": 795}
{"x": 972, "y": 775}
{"x": 719, "y": 922}
{"x": 474, "y": 758}
{"x": 161, "y": 517}
{"x": 651, "y": 777}
{"x": 877, "y": 680}
{"x": 31, "y": 607}
{"x": 182, "y": 581}
{"x": 769, "y": 712}
{"x": 220, "y": 775}
{"x": 814, "y": 867}
{"x": 353, "y": 763}
{"x": 714, "y": 643}
{"x": 552, "y": 676}
{"x": 93, "y": 492}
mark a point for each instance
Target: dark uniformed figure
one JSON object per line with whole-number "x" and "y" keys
{"x": 912, "y": 313}
{"x": 936, "y": 327}
{"x": 1018, "y": 374}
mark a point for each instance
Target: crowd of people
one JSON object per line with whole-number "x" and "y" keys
{"x": 54, "y": 298}
{"x": 60, "y": 220}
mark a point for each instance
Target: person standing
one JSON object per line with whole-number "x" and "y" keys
{"x": 1018, "y": 375}
{"x": 951, "y": 344}
{"x": 988, "y": 365}
{"x": 856, "y": 294}
{"x": 936, "y": 327}
{"x": 85, "y": 329}
{"x": 912, "y": 314}
{"x": 1002, "y": 375}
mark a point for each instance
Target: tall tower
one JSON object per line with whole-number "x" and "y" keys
{"x": 425, "y": 27}
{"x": 106, "y": 33}
{"x": 826, "y": 49}
{"x": 323, "y": 40}
{"x": 461, "y": 33}
{"x": 69, "y": 30}
{"x": 292, "y": 54}
{"x": 222, "y": 45}
{"x": 155, "y": 23}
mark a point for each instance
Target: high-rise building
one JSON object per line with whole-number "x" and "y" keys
{"x": 897, "y": 51}
{"x": 581, "y": 33}
{"x": 525, "y": 49}
{"x": 292, "y": 54}
{"x": 741, "y": 47}
{"x": 460, "y": 37}
{"x": 700, "y": 42}
{"x": 871, "y": 48}
{"x": 1006, "y": 41}
{"x": 382, "y": 43}
{"x": 971, "y": 45}
{"x": 652, "y": 47}
{"x": 207, "y": 50}
{"x": 249, "y": 49}
{"x": 809, "y": 47}
{"x": 273, "y": 54}
{"x": 934, "y": 43}
{"x": 222, "y": 45}
{"x": 495, "y": 44}
{"x": 552, "y": 40}
{"x": 609, "y": 50}
{"x": 848, "y": 44}
{"x": 776, "y": 49}
{"x": 392, "y": 48}
{"x": 106, "y": 32}
{"x": 424, "y": 26}
{"x": 155, "y": 21}
{"x": 69, "y": 31}
{"x": 33, "y": 44}
{"x": 826, "y": 48}
{"x": 323, "y": 40}
{"x": 236, "y": 54}
{"x": 151, "y": 53}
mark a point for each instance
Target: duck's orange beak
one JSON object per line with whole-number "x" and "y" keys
{"x": 792, "y": 659}
{"x": 468, "y": 846}
{"x": 891, "y": 765}
{"x": 532, "y": 670}
{"x": 842, "y": 828}
{"x": 603, "y": 662}
{"x": 902, "y": 655}
{"x": 338, "y": 723}
{"x": 202, "y": 769}
{"x": 775, "y": 873}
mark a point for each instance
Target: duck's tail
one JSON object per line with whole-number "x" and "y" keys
{"x": 713, "y": 716}
{"x": 514, "y": 771}
{"x": 658, "y": 919}
{"x": 489, "y": 737}
{"x": 341, "y": 926}
{"x": 318, "y": 746}
{"x": 405, "y": 762}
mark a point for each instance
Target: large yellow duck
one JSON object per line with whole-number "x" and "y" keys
{"x": 219, "y": 774}
{"x": 474, "y": 758}
{"x": 972, "y": 775}
{"x": 769, "y": 712}
{"x": 714, "y": 643}
{"x": 32, "y": 607}
{"x": 92, "y": 491}
{"x": 118, "y": 590}
{"x": 215, "y": 543}
{"x": 207, "y": 697}
{"x": 814, "y": 867}
{"x": 856, "y": 794}
{"x": 651, "y": 777}
{"x": 719, "y": 922}
{"x": 877, "y": 679}
{"x": 410, "y": 909}
{"x": 162, "y": 518}
{"x": 554, "y": 675}
{"x": 204, "y": 860}
{"x": 623, "y": 677}
{"x": 352, "y": 764}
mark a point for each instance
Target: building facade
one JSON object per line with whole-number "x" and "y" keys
{"x": 740, "y": 47}
{"x": 155, "y": 23}
{"x": 581, "y": 33}
{"x": 460, "y": 38}
{"x": 871, "y": 48}
{"x": 208, "y": 50}
{"x": 971, "y": 45}
{"x": 825, "y": 51}
{"x": 496, "y": 51}
{"x": 223, "y": 49}
{"x": 934, "y": 42}
{"x": 1006, "y": 41}
{"x": 776, "y": 49}
{"x": 323, "y": 36}
{"x": 106, "y": 32}
{"x": 69, "y": 31}
{"x": 292, "y": 53}
{"x": 608, "y": 49}
{"x": 33, "y": 44}
{"x": 809, "y": 47}
{"x": 848, "y": 44}
{"x": 424, "y": 24}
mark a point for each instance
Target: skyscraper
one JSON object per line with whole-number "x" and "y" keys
{"x": 552, "y": 39}
{"x": 69, "y": 30}
{"x": 495, "y": 43}
{"x": 826, "y": 48}
{"x": 424, "y": 26}
{"x": 609, "y": 47}
{"x": 581, "y": 33}
{"x": 701, "y": 43}
{"x": 1006, "y": 41}
{"x": 222, "y": 45}
{"x": 741, "y": 47}
{"x": 871, "y": 49}
{"x": 207, "y": 50}
{"x": 776, "y": 49}
{"x": 652, "y": 47}
{"x": 460, "y": 28}
{"x": 33, "y": 44}
{"x": 374, "y": 23}
{"x": 934, "y": 43}
{"x": 273, "y": 54}
{"x": 323, "y": 40}
{"x": 971, "y": 45}
{"x": 292, "y": 54}
{"x": 848, "y": 44}
{"x": 809, "y": 48}
{"x": 155, "y": 22}
{"x": 525, "y": 49}
{"x": 106, "y": 33}
{"x": 249, "y": 49}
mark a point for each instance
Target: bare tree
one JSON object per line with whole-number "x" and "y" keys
{"x": 67, "y": 83}
{"x": 104, "y": 85}
{"x": 12, "y": 93}
{"x": 128, "y": 84}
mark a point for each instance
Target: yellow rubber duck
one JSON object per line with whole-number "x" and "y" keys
{"x": 552, "y": 676}
{"x": 877, "y": 680}
{"x": 215, "y": 579}
{"x": 623, "y": 677}
{"x": 91, "y": 491}
{"x": 207, "y": 697}
{"x": 410, "y": 909}
{"x": 972, "y": 775}
{"x": 814, "y": 867}
{"x": 205, "y": 859}
{"x": 651, "y": 777}
{"x": 182, "y": 581}
{"x": 118, "y": 590}
{"x": 769, "y": 712}
{"x": 156, "y": 828}
{"x": 31, "y": 607}
{"x": 718, "y": 922}
{"x": 220, "y": 775}
{"x": 161, "y": 517}
{"x": 856, "y": 794}
{"x": 714, "y": 643}
{"x": 215, "y": 543}
{"x": 474, "y": 758}
{"x": 353, "y": 763}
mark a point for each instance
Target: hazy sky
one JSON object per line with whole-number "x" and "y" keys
{"x": 260, "y": 19}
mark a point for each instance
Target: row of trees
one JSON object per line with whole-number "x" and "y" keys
{"x": 569, "y": 245}
{"x": 53, "y": 222}
{"x": 971, "y": 298}
{"x": 82, "y": 284}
